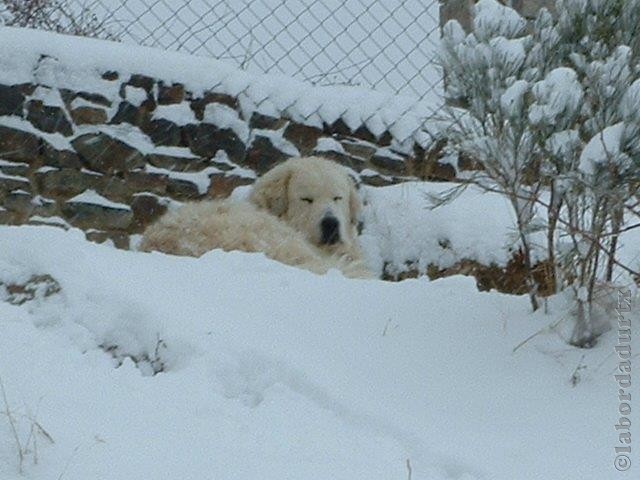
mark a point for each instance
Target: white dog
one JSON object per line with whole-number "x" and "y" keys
{"x": 304, "y": 212}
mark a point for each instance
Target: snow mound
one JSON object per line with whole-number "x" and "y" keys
{"x": 233, "y": 366}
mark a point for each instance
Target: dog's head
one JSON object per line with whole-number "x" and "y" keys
{"x": 315, "y": 196}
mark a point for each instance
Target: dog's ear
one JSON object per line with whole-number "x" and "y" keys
{"x": 355, "y": 203}
{"x": 270, "y": 191}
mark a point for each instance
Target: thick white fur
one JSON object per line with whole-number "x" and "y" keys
{"x": 278, "y": 220}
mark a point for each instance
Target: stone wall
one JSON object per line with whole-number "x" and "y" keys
{"x": 111, "y": 164}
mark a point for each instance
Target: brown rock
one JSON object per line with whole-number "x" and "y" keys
{"x": 48, "y": 118}
{"x": 18, "y": 145}
{"x": 110, "y": 75}
{"x": 338, "y": 128}
{"x": 377, "y": 180}
{"x": 20, "y": 203}
{"x": 263, "y": 155}
{"x": 170, "y": 94}
{"x": 222, "y": 185}
{"x": 465, "y": 162}
{"x": 36, "y": 287}
{"x": 363, "y": 133}
{"x": 88, "y": 116}
{"x": 7, "y": 217}
{"x": 199, "y": 104}
{"x": 147, "y": 208}
{"x": 141, "y": 81}
{"x": 65, "y": 183}
{"x": 141, "y": 181}
{"x": 460, "y": 10}
{"x": 303, "y": 137}
{"x": 258, "y": 120}
{"x": 358, "y": 148}
{"x": 120, "y": 239}
{"x": 443, "y": 172}
{"x": 129, "y": 113}
{"x": 106, "y": 154}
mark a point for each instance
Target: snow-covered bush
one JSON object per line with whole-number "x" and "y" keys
{"x": 61, "y": 16}
{"x": 552, "y": 112}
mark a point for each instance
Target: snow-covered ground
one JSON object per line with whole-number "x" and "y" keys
{"x": 272, "y": 372}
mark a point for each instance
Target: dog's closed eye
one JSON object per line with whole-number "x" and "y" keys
{"x": 337, "y": 199}
{"x": 307, "y": 199}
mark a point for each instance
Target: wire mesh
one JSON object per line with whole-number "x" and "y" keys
{"x": 386, "y": 45}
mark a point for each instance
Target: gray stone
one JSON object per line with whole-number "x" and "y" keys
{"x": 15, "y": 169}
{"x": 65, "y": 183}
{"x": 205, "y": 139}
{"x": 59, "y": 158}
{"x": 129, "y": 113}
{"x": 180, "y": 189}
{"x": 100, "y": 217}
{"x": 106, "y": 154}
{"x": 68, "y": 96}
{"x": 163, "y": 132}
{"x": 115, "y": 188}
{"x": 388, "y": 164}
{"x": 10, "y": 183}
{"x": 177, "y": 164}
{"x": 141, "y": 181}
{"x": 11, "y": 100}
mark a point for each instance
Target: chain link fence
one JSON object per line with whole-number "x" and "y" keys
{"x": 388, "y": 45}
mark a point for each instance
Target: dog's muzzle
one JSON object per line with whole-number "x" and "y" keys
{"x": 330, "y": 227}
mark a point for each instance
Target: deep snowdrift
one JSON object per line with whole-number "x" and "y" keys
{"x": 271, "y": 372}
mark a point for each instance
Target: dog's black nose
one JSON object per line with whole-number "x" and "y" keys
{"x": 330, "y": 230}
